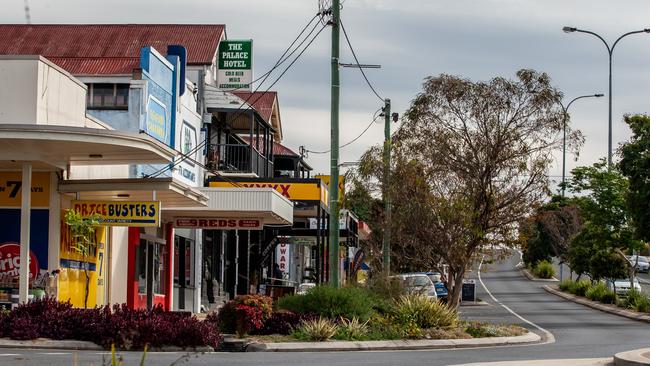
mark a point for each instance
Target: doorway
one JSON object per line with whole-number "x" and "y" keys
{"x": 150, "y": 271}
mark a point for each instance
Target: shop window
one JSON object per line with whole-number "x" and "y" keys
{"x": 150, "y": 266}
{"x": 108, "y": 96}
{"x": 183, "y": 262}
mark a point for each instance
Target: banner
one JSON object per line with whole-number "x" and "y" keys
{"x": 10, "y": 262}
{"x": 292, "y": 191}
{"x": 121, "y": 213}
{"x": 11, "y": 184}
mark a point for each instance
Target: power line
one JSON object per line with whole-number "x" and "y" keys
{"x": 358, "y": 64}
{"x": 237, "y": 112}
{"x": 374, "y": 119}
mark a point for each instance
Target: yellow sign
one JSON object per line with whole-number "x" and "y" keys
{"x": 11, "y": 184}
{"x": 326, "y": 180}
{"x": 290, "y": 190}
{"x": 121, "y": 213}
{"x": 74, "y": 266}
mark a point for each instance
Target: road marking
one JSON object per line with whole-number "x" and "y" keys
{"x": 549, "y": 336}
{"x": 9, "y": 354}
{"x": 54, "y": 353}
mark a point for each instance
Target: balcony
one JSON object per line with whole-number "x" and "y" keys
{"x": 239, "y": 159}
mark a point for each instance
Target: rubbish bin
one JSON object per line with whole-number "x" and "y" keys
{"x": 468, "y": 292}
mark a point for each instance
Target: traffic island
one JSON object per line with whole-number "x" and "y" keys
{"x": 524, "y": 271}
{"x": 635, "y": 357}
{"x": 611, "y": 309}
{"x": 392, "y": 345}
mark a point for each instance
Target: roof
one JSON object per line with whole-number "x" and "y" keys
{"x": 263, "y": 102}
{"x": 278, "y": 149}
{"x": 108, "y": 49}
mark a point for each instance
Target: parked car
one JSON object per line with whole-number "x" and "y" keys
{"x": 640, "y": 262}
{"x": 441, "y": 288}
{"x": 622, "y": 286}
{"x": 304, "y": 287}
{"x": 418, "y": 283}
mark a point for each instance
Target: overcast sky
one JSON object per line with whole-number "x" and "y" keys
{"x": 411, "y": 39}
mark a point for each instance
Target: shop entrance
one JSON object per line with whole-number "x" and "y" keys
{"x": 150, "y": 271}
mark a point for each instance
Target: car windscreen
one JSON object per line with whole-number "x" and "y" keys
{"x": 643, "y": 259}
{"x": 417, "y": 281}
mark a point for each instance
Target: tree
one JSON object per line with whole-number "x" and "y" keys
{"x": 549, "y": 231}
{"x": 635, "y": 165}
{"x": 85, "y": 242}
{"x": 469, "y": 162}
{"x": 601, "y": 195}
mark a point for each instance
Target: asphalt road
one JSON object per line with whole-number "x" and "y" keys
{"x": 579, "y": 332}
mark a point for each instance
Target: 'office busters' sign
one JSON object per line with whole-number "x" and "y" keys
{"x": 235, "y": 65}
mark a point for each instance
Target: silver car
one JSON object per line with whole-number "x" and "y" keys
{"x": 622, "y": 286}
{"x": 418, "y": 283}
{"x": 640, "y": 263}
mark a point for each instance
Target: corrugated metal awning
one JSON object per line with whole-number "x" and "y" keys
{"x": 265, "y": 204}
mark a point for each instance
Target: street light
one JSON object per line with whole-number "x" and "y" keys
{"x": 610, "y": 51}
{"x": 566, "y": 115}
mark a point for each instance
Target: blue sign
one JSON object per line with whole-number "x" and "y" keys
{"x": 160, "y": 115}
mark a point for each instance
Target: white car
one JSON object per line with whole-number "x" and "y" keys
{"x": 622, "y": 286}
{"x": 640, "y": 262}
{"x": 418, "y": 283}
{"x": 304, "y": 287}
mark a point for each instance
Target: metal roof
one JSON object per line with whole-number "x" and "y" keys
{"x": 108, "y": 48}
{"x": 263, "y": 102}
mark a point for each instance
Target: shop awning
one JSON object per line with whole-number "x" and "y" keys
{"x": 168, "y": 191}
{"x": 58, "y": 146}
{"x": 265, "y": 204}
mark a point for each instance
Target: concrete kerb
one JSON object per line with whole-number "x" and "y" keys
{"x": 42, "y": 343}
{"x": 611, "y": 309}
{"x": 635, "y": 357}
{"x": 393, "y": 345}
{"x": 530, "y": 276}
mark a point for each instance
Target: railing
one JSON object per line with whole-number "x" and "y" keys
{"x": 238, "y": 158}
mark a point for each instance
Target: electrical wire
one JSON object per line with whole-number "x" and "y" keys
{"x": 357, "y": 62}
{"x": 238, "y": 112}
{"x": 374, "y": 119}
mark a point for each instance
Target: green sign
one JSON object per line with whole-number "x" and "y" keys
{"x": 235, "y": 55}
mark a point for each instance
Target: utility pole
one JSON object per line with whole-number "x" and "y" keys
{"x": 334, "y": 143}
{"x": 386, "y": 186}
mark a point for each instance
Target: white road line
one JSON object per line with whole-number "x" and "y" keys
{"x": 9, "y": 354}
{"x": 54, "y": 353}
{"x": 549, "y": 336}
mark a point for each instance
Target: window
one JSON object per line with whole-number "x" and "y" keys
{"x": 108, "y": 96}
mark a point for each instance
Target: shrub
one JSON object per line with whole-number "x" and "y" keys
{"x": 320, "y": 329}
{"x": 283, "y": 322}
{"x": 352, "y": 330}
{"x": 481, "y": 329}
{"x": 383, "y": 327}
{"x": 637, "y": 301}
{"x": 565, "y": 285}
{"x": 120, "y": 326}
{"x": 544, "y": 269}
{"x": 425, "y": 313}
{"x": 245, "y": 314}
{"x": 330, "y": 302}
{"x": 596, "y": 292}
{"x": 580, "y": 288}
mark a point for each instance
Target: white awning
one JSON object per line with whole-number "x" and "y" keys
{"x": 255, "y": 203}
{"x": 58, "y": 146}
{"x": 168, "y": 191}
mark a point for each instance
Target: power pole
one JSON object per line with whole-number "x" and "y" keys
{"x": 386, "y": 188}
{"x": 334, "y": 157}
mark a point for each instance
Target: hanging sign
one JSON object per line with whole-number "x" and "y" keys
{"x": 121, "y": 213}
{"x": 218, "y": 224}
{"x": 235, "y": 65}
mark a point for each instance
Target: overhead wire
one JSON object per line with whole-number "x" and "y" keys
{"x": 374, "y": 119}
{"x": 354, "y": 54}
{"x": 238, "y": 112}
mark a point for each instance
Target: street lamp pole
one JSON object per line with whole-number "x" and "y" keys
{"x": 610, "y": 51}
{"x": 566, "y": 116}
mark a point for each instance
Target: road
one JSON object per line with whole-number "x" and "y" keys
{"x": 579, "y": 332}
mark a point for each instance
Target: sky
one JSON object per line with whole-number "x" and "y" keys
{"x": 412, "y": 39}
